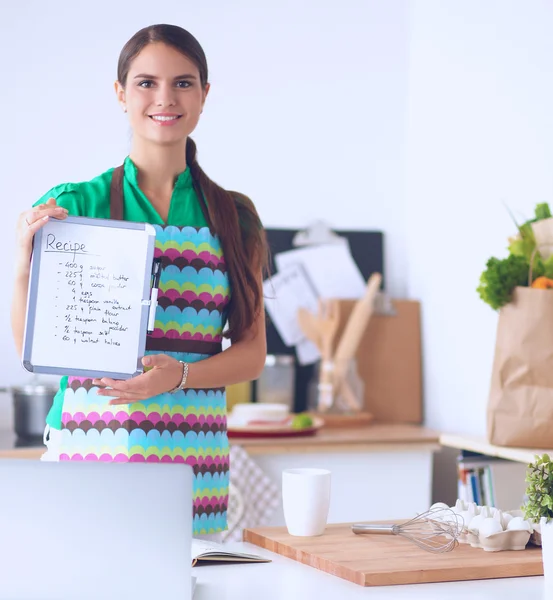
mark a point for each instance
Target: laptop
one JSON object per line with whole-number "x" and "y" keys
{"x": 80, "y": 530}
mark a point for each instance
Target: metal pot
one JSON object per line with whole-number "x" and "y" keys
{"x": 31, "y": 404}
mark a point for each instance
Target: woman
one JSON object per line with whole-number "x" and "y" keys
{"x": 213, "y": 251}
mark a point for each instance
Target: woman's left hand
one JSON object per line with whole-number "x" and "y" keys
{"x": 165, "y": 374}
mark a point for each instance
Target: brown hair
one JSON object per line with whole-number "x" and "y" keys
{"x": 232, "y": 215}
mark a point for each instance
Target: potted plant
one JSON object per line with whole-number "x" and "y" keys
{"x": 538, "y": 507}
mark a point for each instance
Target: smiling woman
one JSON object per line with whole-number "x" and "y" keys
{"x": 212, "y": 247}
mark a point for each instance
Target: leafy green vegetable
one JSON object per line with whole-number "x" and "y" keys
{"x": 547, "y": 267}
{"x": 524, "y": 243}
{"x": 302, "y": 421}
{"x": 542, "y": 211}
{"x": 501, "y": 277}
{"x": 539, "y": 490}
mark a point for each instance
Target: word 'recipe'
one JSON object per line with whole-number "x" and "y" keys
{"x": 73, "y": 248}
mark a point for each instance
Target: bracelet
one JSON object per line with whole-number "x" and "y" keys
{"x": 182, "y": 384}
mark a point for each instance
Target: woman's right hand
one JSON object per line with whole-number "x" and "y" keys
{"x": 30, "y": 221}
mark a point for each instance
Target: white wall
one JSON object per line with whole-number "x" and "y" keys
{"x": 480, "y": 133}
{"x": 416, "y": 118}
{"x": 305, "y": 115}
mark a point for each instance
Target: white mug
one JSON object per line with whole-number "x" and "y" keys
{"x": 305, "y": 500}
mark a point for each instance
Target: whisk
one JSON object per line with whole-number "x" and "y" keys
{"x": 436, "y": 530}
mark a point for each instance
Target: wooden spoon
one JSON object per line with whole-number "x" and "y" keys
{"x": 310, "y": 325}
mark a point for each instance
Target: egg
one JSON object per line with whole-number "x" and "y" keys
{"x": 438, "y": 505}
{"x": 489, "y": 526}
{"x": 518, "y": 524}
{"x": 474, "y": 524}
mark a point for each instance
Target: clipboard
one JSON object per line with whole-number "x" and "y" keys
{"x": 88, "y": 301}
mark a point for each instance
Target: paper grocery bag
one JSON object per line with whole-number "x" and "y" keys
{"x": 520, "y": 405}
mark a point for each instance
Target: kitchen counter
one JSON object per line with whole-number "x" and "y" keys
{"x": 480, "y": 444}
{"x": 285, "y": 579}
{"x": 9, "y": 441}
{"x": 374, "y": 437}
{"x": 389, "y": 457}
{"x": 377, "y": 437}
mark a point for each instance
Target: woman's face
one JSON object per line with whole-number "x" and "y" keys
{"x": 163, "y": 95}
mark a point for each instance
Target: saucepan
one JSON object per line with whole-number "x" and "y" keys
{"x": 31, "y": 403}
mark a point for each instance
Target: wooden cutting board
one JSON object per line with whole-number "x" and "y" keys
{"x": 375, "y": 560}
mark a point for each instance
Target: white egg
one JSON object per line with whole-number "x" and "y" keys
{"x": 474, "y": 524}
{"x": 489, "y": 526}
{"x": 466, "y": 517}
{"x": 518, "y": 524}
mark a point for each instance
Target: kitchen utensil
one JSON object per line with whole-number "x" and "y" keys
{"x": 355, "y": 328}
{"x": 31, "y": 404}
{"x": 309, "y": 324}
{"x": 328, "y": 319}
{"x": 436, "y": 530}
{"x": 385, "y": 560}
{"x": 349, "y": 389}
{"x": 357, "y": 322}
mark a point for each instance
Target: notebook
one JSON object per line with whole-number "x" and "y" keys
{"x": 91, "y": 530}
{"x": 211, "y": 553}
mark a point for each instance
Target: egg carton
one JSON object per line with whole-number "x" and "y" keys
{"x": 492, "y": 529}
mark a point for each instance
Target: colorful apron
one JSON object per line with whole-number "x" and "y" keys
{"x": 190, "y": 425}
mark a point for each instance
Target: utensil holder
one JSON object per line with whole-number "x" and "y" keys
{"x": 340, "y": 389}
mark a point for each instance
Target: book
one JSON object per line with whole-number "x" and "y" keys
{"x": 204, "y": 553}
{"x": 490, "y": 480}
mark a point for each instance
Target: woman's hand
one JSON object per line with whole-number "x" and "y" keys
{"x": 30, "y": 222}
{"x": 164, "y": 375}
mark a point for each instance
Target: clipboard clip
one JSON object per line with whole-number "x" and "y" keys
{"x": 156, "y": 275}
{"x": 316, "y": 233}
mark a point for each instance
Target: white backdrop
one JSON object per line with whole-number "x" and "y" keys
{"x": 305, "y": 113}
{"x": 418, "y": 118}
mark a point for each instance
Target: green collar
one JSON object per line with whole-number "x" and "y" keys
{"x": 184, "y": 179}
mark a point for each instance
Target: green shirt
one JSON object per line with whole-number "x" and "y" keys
{"x": 92, "y": 199}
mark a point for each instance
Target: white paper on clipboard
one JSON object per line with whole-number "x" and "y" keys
{"x": 284, "y": 293}
{"x": 307, "y": 352}
{"x": 330, "y": 268}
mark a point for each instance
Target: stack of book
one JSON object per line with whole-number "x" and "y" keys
{"x": 491, "y": 481}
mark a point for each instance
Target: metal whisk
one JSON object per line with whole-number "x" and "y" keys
{"x": 436, "y": 530}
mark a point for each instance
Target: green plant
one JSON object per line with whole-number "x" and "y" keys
{"x": 524, "y": 243}
{"x": 501, "y": 277}
{"x": 539, "y": 490}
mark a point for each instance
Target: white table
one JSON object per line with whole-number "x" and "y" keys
{"x": 285, "y": 579}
